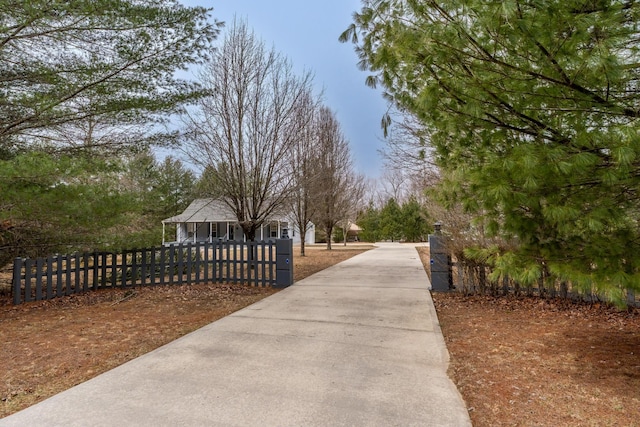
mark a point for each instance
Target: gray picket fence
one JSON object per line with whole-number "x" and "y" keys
{"x": 265, "y": 263}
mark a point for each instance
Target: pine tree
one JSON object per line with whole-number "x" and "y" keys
{"x": 81, "y": 83}
{"x": 369, "y": 221}
{"x": 532, "y": 109}
{"x": 391, "y": 221}
{"x": 58, "y": 204}
{"x": 66, "y": 62}
{"x": 415, "y": 222}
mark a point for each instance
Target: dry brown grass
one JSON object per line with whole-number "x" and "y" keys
{"x": 49, "y": 346}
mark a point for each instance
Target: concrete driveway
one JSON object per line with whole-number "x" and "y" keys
{"x": 357, "y": 344}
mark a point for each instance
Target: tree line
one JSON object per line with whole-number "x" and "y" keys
{"x": 409, "y": 222}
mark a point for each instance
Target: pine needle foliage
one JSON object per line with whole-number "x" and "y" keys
{"x": 533, "y": 108}
{"x": 63, "y": 62}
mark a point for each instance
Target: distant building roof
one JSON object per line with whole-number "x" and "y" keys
{"x": 206, "y": 210}
{"x": 354, "y": 227}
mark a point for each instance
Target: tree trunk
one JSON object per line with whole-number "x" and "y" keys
{"x": 250, "y": 236}
{"x": 329, "y": 237}
{"x": 249, "y": 233}
{"x": 344, "y": 236}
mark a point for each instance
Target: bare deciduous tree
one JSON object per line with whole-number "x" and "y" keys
{"x": 403, "y": 184}
{"x": 304, "y": 169}
{"x": 356, "y": 189}
{"x": 245, "y": 129}
{"x": 408, "y": 155}
{"x": 336, "y": 176}
{"x": 408, "y": 145}
{"x": 394, "y": 184}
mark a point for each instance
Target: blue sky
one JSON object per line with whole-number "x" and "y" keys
{"x": 307, "y": 33}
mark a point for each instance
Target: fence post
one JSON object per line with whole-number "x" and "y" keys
{"x": 143, "y": 266}
{"x": 284, "y": 263}
{"x": 76, "y": 273}
{"x": 125, "y": 266}
{"x": 39, "y": 274}
{"x": 85, "y": 270}
{"x": 49, "y": 277}
{"x": 17, "y": 280}
{"x": 59, "y": 276}
{"x": 631, "y": 297}
{"x": 152, "y": 268}
{"x": 28, "y": 267}
{"x": 440, "y": 268}
{"x": 189, "y": 262}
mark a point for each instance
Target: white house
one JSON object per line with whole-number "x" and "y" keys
{"x": 207, "y": 220}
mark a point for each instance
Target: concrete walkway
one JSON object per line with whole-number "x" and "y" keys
{"x": 357, "y": 344}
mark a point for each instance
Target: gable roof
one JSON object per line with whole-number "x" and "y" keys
{"x": 206, "y": 210}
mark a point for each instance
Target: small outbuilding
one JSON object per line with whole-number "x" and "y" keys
{"x": 353, "y": 232}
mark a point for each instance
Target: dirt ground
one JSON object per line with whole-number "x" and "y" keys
{"x": 542, "y": 363}
{"x": 49, "y": 346}
{"x": 536, "y": 362}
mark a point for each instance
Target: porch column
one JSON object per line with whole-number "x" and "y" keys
{"x": 162, "y": 233}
